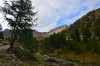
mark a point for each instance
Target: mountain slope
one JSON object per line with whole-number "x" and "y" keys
{"x": 6, "y": 33}
{"x": 56, "y": 30}
{"x": 39, "y": 35}
{"x": 47, "y": 34}
{"x": 90, "y": 21}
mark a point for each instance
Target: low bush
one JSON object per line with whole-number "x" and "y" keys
{"x": 24, "y": 55}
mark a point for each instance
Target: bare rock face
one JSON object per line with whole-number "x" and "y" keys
{"x": 58, "y": 29}
{"x": 36, "y": 33}
{"x": 6, "y": 33}
{"x": 40, "y": 36}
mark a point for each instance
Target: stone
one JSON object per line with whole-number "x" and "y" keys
{"x": 12, "y": 55}
{"x": 0, "y": 44}
{"x": 47, "y": 56}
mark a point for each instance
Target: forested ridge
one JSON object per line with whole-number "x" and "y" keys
{"x": 82, "y": 37}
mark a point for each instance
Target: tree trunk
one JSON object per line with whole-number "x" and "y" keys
{"x": 12, "y": 40}
{"x": 12, "y": 44}
{"x": 13, "y": 35}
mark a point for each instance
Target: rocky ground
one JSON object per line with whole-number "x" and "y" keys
{"x": 43, "y": 60}
{"x": 4, "y": 47}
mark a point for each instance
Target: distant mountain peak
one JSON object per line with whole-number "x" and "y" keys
{"x": 58, "y": 29}
{"x": 40, "y": 35}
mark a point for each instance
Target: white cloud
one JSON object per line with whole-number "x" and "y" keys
{"x": 48, "y": 13}
{"x": 47, "y": 28}
{"x": 51, "y": 11}
{"x": 71, "y": 21}
{"x": 90, "y": 4}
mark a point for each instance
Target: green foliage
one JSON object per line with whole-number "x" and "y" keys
{"x": 75, "y": 47}
{"x": 54, "y": 42}
{"x": 1, "y": 35}
{"x": 45, "y": 43}
{"x": 23, "y": 55}
{"x": 27, "y": 40}
{"x": 92, "y": 45}
{"x": 27, "y": 56}
{"x": 97, "y": 31}
{"x": 76, "y": 35}
{"x": 62, "y": 47}
{"x": 86, "y": 34}
{"x": 98, "y": 49}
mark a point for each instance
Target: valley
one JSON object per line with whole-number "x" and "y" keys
{"x": 74, "y": 45}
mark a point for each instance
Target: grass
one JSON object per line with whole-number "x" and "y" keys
{"x": 88, "y": 57}
{"x": 9, "y": 61}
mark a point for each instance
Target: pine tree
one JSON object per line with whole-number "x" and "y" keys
{"x": 97, "y": 31}
{"x": 86, "y": 34}
{"x": 76, "y": 35}
{"x": 20, "y": 16}
{"x": 1, "y": 35}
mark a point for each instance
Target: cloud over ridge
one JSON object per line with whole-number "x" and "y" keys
{"x": 53, "y": 13}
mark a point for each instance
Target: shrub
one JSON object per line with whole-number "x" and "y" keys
{"x": 24, "y": 55}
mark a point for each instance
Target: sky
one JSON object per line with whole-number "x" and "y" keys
{"x": 54, "y": 13}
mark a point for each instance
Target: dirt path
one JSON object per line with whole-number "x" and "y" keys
{"x": 4, "y": 47}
